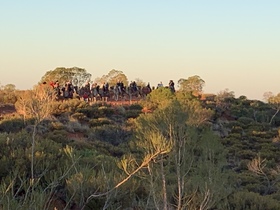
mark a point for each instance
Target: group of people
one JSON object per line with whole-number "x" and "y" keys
{"x": 171, "y": 85}
{"x": 68, "y": 90}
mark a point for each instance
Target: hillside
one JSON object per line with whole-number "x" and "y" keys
{"x": 118, "y": 155}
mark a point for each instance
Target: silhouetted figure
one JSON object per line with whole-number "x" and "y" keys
{"x": 171, "y": 86}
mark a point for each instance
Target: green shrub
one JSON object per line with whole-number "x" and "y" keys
{"x": 245, "y": 120}
{"x": 99, "y": 122}
{"x": 80, "y": 117}
{"x": 105, "y": 111}
{"x": 133, "y": 113}
{"x": 58, "y": 136}
{"x": 11, "y": 125}
{"x": 112, "y": 134}
{"x": 70, "y": 106}
{"x": 56, "y": 125}
{"x": 252, "y": 201}
{"x": 75, "y": 126}
{"x": 135, "y": 107}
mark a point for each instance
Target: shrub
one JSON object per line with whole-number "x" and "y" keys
{"x": 132, "y": 113}
{"x": 11, "y": 125}
{"x": 245, "y": 120}
{"x": 75, "y": 126}
{"x": 57, "y": 125}
{"x": 112, "y": 134}
{"x": 135, "y": 107}
{"x": 99, "y": 122}
{"x": 80, "y": 117}
{"x": 250, "y": 200}
{"x": 105, "y": 111}
{"x": 58, "y": 136}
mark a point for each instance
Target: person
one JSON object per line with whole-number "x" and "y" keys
{"x": 119, "y": 86}
{"x": 56, "y": 88}
{"x": 69, "y": 89}
{"x": 134, "y": 85}
{"x": 52, "y": 84}
{"x": 105, "y": 87}
{"x": 87, "y": 86}
{"x": 97, "y": 88}
{"x": 171, "y": 86}
{"x": 159, "y": 85}
{"x": 122, "y": 86}
{"x": 148, "y": 86}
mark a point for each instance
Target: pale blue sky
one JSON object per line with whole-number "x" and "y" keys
{"x": 232, "y": 44}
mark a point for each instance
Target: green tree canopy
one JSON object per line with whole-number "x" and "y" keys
{"x": 113, "y": 77}
{"x": 77, "y": 75}
{"x": 9, "y": 87}
{"x": 195, "y": 156}
{"x": 193, "y": 84}
{"x": 159, "y": 98}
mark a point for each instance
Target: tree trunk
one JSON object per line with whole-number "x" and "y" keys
{"x": 273, "y": 116}
{"x": 163, "y": 185}
{"x": 32, "y": 152}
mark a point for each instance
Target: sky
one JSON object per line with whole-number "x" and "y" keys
{"x": 230, "y": 44}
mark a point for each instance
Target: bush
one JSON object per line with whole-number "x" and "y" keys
{"x": 59, "y": 136}
{"x": 75, "y": 126}
{"x": 56, "y": 125}
{"x": 80, "y": 117}
{"x": 245, "y": 120}
{"x": 135, "y": 107}
{"x": 133, "y": 113}
{"x": 99, "y": 122}
{"x": 67, "y": 106}
{"x": 112, "y": 134}
{"x": 251, "y": 200}
{"x": 105, "y": 111}
{"x": 12, "y": 125}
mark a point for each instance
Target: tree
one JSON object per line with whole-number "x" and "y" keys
{"x": 193, "y": 84}
{"x": 224, "y": 94}
{"x": 195, "y": 163}
{"x": 267, "y": 95}
{"x": 274, "y": 102}
{"x": 224, "y": 98}
{"x": 198, "y": 115}
{"x": 37, "y": 105}
{"x": 8, "y": 93}
{"x": 113, "y": 77}
{"x": 9, "y": 87}
{"x": 158, "y": 146}
{"x": 77, "y": 75}
{"x": 159, "y": 98}
{"x": 140, "y": 82}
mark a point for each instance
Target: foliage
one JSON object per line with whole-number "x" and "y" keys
{"x": 249, "y": 200}
{"x": 274, "y": 101}
{"x": 99, "y": 122}
{"x": 76, "y": 75}
{"x": 158, "y": 98}
{"x": 11, "y": 125}
{"x": 195, "y": 154}
{"x": 16, "y": 182}
{"x": 113, "y": 77}
{"x": 8, "y": 97}
{"x": 69, "y": 106}
{"x": 9, "y": 87}
{"x": 170, "y": 157}
{"x": 193, "y": 84}
{"x": 113, "y": 134}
